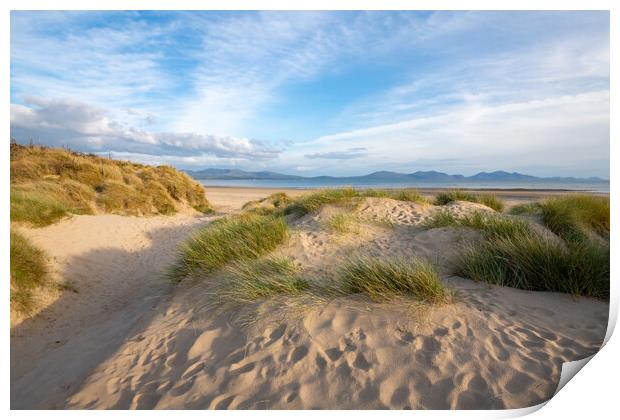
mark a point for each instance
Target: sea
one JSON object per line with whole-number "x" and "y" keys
{"x": 588, "y": 186}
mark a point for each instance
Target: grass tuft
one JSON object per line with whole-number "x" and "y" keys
{"x": 488, "y": 200}
{"x": 526, "y": 208}
{"x": 248, "y": 281}
{"x": 242, "y": 237}
{"x": 28, "y": 272}
{"x": 383, "y": 279}
{"x": 343, "y": 223}
{"x": 575, "y": 217}
{"x": 273, "y": 204}
{"x": 491, "y": 225}
{"x": 314, "y": 201}
{"x": 532, "y": 262}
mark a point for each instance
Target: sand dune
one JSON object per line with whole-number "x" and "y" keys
{"x": 491, "y": 347}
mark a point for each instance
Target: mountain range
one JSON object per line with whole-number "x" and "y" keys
{"x": 233, "y": 174}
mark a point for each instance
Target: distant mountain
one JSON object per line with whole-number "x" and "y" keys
{"x": 214, "y": 173}
{"x": 498, "y": 176}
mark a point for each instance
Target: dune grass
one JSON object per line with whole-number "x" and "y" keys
{"x": 395, "y": 194}
{"x": 343, "y": 223}
{"x": 526, "y": 208}
{"x": 242, "y": 237}
{"x": 48, "y": 184}
{"x": 532, "y": 262}
{"x": 488, "y": 200}
{"x": 491, "y": 225}
{"x": 575, "y": 217}
{"x": 28, "y": 272}
{"x": 309, "y": 203}
{"x": 42, "y": 203}
{"x": 250, "y": 280}
{"x": 383, "y": 279}
{"x": 312, "y": 202}
{"x": 273, "y": 204}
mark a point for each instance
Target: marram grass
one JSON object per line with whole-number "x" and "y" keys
{"x": 488, "y": 200}
{"x": 343, "y": 223}
{"x": 384, "y": 278}
{"x": 242, "y": 237}
{"x": 575, "y": 217}
{"x": 532, "y": 262}
{"x": 250, "y": 280}
{"x": 491, "y": 225}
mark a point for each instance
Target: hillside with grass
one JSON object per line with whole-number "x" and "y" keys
{"x": 48, "y": 184}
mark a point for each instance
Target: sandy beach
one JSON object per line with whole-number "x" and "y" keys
{"x": 127, "y": 338}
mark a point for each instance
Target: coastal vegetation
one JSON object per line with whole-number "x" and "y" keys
{"x": 513, "y": 254}
{"x": 235, "y": 238}
{"x": 488, "y": 200}
{"x": 49, "y": 184}
{"x": 382, "y": 279}
{"x": 29, "y": 271}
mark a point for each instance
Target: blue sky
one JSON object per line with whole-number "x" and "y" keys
{"x": 339, "y": 93}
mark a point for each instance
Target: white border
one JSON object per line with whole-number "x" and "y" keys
{"x": 592, "y": 394}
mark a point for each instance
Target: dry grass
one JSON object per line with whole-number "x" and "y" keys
{"x": 48, "y": 184}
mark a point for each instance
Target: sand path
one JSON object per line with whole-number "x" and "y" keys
{"x": 115, "y": 264}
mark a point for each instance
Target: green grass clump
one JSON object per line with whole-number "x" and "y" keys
{"x": 491, "y": 225}
{"x": 398, "y": 194}
{"x": 343, "y": 223}
{"x": 273, "y": 204}
{"x": 526, "y": 208}
{"x": 384, "y": 278}
{"x": 454, "y": 195}
{"x": 241, "y": 237}
{"x": 575, "y": 217}
{"x": 532, "y": 262}
{"x": 48, "y": 184}
{"x": 491, "y": 201}
{"x": 488, "y": 200}
{"x": 312, "y": 202}
{"x": 28, "y": 271}
{"x": 248, "y": 281}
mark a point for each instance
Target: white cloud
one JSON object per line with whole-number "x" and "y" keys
{"x": 88, "y": 128}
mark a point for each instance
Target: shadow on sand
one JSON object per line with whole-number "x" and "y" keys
{"x": 118, "y": 293}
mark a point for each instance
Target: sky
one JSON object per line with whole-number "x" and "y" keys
{"x": 319, "y": 93}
